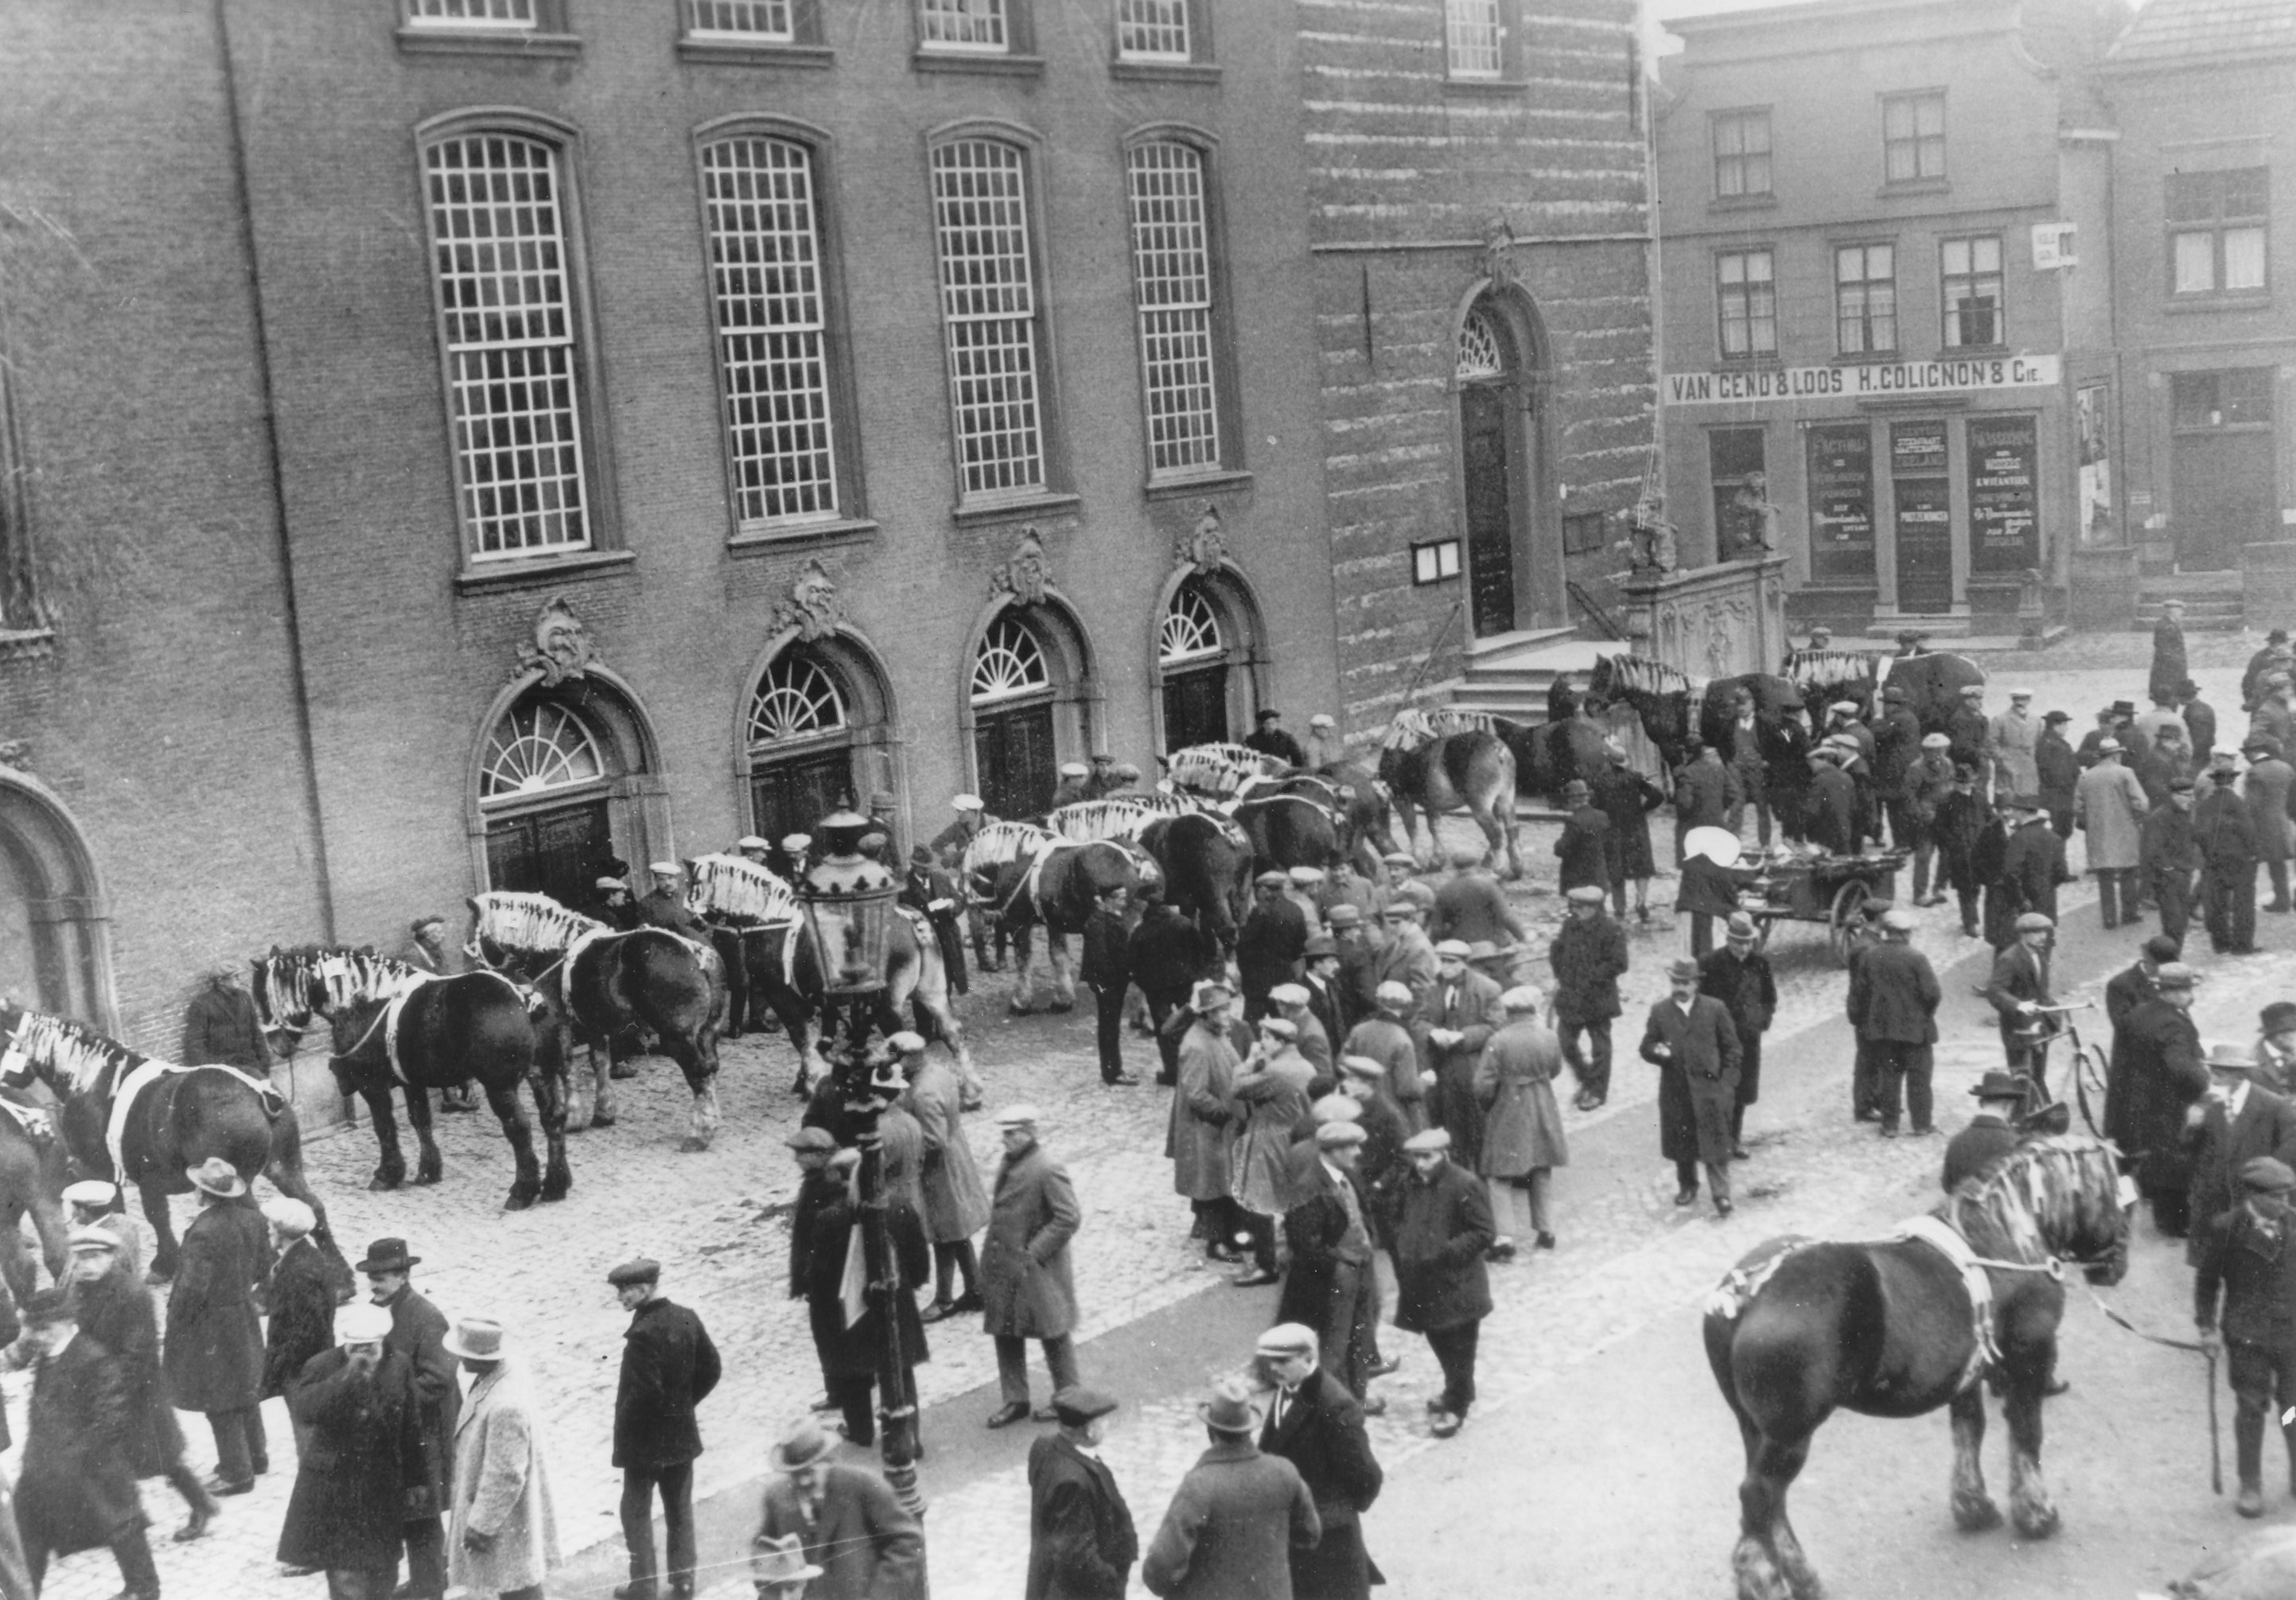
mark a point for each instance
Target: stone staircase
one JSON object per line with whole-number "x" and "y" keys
{"x": 1509, "y": 675}
{"x": 2213, "y": 601}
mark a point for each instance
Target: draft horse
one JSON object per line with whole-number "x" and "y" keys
{"x": 1054, "y": 885}
{"x": 597, "y": 985}
{"x": 1800, "y": 1329}
{"x": 783, "y": 960}
{"x": 1206, "y": 862}
{"x": 1431, "y": 770}
{"x": 396, "y": 1026}
{"x": 34, "y": 1167}
{"x": 145, "y": 1122}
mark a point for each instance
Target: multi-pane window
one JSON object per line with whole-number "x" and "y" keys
{"x": 2238, "y": 398}
{"x": 2215, "y": 230}
{"x": 1865, "y": 298}
{"x": 759, "y": 197}
{"x": 1471, "y": 34}
{"x": 1748, "y": 294}
{"x": 469, "y": 13}
{"x": 989, "y": 314}
{"x": 770, "y": 22}
{"x": 1172, "y": 275}
{"x": 1741, "y": 154}
{"x": 1152, "y": 30}
{"x": 1969, "y": 269}
{"x": 1913, "y": 137}
{"x": 498, "y": 239}
{"x": 963, "y": 25}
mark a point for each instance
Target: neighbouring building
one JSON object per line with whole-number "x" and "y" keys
{"x": 1867, "y": 356}
{"x": 455, "y": 444}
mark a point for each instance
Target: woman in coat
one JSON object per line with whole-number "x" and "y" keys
{"x": 1270, "y": 1094}
{"x": 352, "y": 1488}
{"x": 503, "y": 1537}
{"x": 1203, "y": 1134}
{"x": 955, "y": 1206}
{"x": 1523, "y": 1128}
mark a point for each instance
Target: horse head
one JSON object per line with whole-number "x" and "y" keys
{"x": 72, "y": 1061}
{"x": 2058, "y": 1198}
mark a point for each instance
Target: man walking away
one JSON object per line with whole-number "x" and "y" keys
{"x": 1442, "y": 1289}
{"x": 1522, "y": 1129}
{"x": 956, "y": 1204}
{"x": 668, "y": 1368}
{"x": 1081, "y": 1543}
{"x": 78, "y": 1487}
{"x": 1236, "y": 1517}
{"x": 1893, "y": 1000}
{"x": 2226, "y": 833}
{"x": 2108, "y": 806}
{"x": 503, "y": 1539}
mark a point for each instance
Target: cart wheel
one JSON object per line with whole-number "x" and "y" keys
{"x": 1849, "y": 901}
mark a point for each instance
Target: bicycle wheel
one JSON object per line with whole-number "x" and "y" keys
{"x": 2088, "y": 1087}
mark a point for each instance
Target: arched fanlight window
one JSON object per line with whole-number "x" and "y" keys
{"x": 1190, "y": 630}
{"x": 537, "y": 748}
{"x": 1480, "y": 353}
{"x": 796, "y": 697}
{"x": 1010, "y": 662}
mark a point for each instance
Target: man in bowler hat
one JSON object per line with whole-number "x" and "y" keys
{"x": 418, "y": 1331}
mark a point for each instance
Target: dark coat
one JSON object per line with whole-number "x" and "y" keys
{"x": 851, "y": 1352}
{"x": 1894, "y": 995}
{"x": 116, "y": 1312}
{"x": 2223, "y": 830}
{"x": 2201, "y": 731}
{"x": 815, "y": 1190}
{"x": 1584, "y": 849}
{"x": 1231, "y": 1528}
{"x": 2169, "y": 669}
{"x": 2162, "y": 1072}
{"x": 2033, "y": 864}
{"x": 2124, "y": 992}
{"x": 1472, "y": 906}
{"x": 2019, "y": 974}
{"x": 1321, "y": 1432}
{"x": 1269, "y": 945}
{"x": 1167, "y": 953}
{"x": 2249, "y": 1252}
{"x": 1589, "y": 956}
{"x": 1442, "y": 1229}
{"x": 1027, "y": 1288}
{"x": 1960, "y": 822}
{"x": 78, "y": 1487}
{"x": 668, "y": 1368}
{"x": 1105, "y": 963}
{"x": 1748, "y": 990}
{"x": 1697, "y": 1078}
{"x": 1627, "y": 798}
{"x": 1703, "y": 793}
{"x": 365, "y": 1468}
{"x": 1706, "y": 888}
{"x": 1830, "y": 810}
{"x": 302, "y": 1306}
{"x": 658, "y": 909}
{"x": 2059, "y": 768}
{"x": 418, "y": 1332}
{"x": 214, "y": 1359}
{"x": 1975, "y": 1148}
{"x": 1081, "y": 1542}
{"x": 1316, "y": 1229}
{"x": 220, "y": 1028}
{"x": 2165, "y": 842}
{"x": 2220, "y": 1147}
{"x": 1897, "y": 746}
{"x": 1275, "y": 742}
{"x": 1969, "y": 731}
{"x": 865, "y": 1545}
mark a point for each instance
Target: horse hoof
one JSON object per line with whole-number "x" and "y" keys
{"x": 518, "y": 1201}
{"x": 1976, "y": 1516}
{"x": 1063, "y": 1005}
{"x": 603, "y": 1120}
{"x": 2037, "y": 1524}
{"x": 555, "y": 1192}
{"x": 424, "y": 1179}
{"x": 1017, "y": 1010}
{"x": 692, "y": 1145}
{"x": 383, "y": 1182}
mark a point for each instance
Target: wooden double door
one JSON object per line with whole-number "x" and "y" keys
{"x": 1013, "y": 753}
{"x": 561, "y": 852}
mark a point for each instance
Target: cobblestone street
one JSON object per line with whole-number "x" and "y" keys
{"x": 1631, "y": 1261}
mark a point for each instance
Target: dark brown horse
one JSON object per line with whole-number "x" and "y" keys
{"x": 170, "y": 1118}
{"x": 1932, "y": 680}
{"x": 597, "y": 985}
{"x": 1055, "y": 886}
{"x": 1800, "y": 1329}
{"x": 1678, "y": 715}
{"x": 34, "y": 1167}
{"x": 1206, "y": 861}
{"x": 1290, "y": 829}
{"x": 394, "y": 1026}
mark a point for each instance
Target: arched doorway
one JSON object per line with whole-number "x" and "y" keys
{"x": 54, "y": 949}
{"x": 1027, "y": 697}
{"x": 1206, "y": 658}
{"x": 563, "y": 779}
{"x": 816, "y": 735}
{"x": 1500, "y": 473}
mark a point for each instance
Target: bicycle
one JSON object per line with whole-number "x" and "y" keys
{"x": 2087, "y": 1066}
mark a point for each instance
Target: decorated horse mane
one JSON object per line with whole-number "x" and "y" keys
{"x": 2051, "y": 1192}
{"x": 737, "y": 889}
{"x": 88, "y": 1062}
{"x": 1126, "y": 818}
{"x": 1415, "y": 725}
{"x": 1624, "y": 673}
{"x": 349, "y": 974}
{"x": 1219, "y": 768}
{"x": 1000, "y": 842}
{"x": 1167, "y": 801}
{"x": 1832, "y": 668}
{"x": 532, "y": 924}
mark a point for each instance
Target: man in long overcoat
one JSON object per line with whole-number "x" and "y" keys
{"x": 1453, "y": 1027}
{"x": 2033, "y": 862}
{"x": 1026, "y": 1285}
{"x": 2169, "y": 665}
{"x": 1442, "y": 1289}
{"x": 2241, "y": 1120}
{"x": 1330, "y": 1285}
{"x": 2162, "y": 1073}
{"x": 213, "y": 1353}
{"x": 669, "y": 1367}
{"x": 1961, "y": 821}
{"x": 2225, "y": 834}
{"x": 366, "y": 1460}
{"x": 849, "y": 1350}
{"x": 1897, "y": 747}
{"x": 2267, "y": 789}
{"x": 299, "y": 1299}
{"x": 1105, "y": 969}
{"x": 1922, "y": 790}
{"x": 1589, "y": 956}
{"x": 1522, "y": 1131}
{"x": 1202, "y": 1139}
{"x": 1236, "y": 1516}
{"x": 955, "y": 1203}
{"x": 2168, "y": 856}
{"x": 1385, "y": 1036}
{"x": 1081, "y": 1542}
{"x": 115, "y": 1312}
{"x": 2124, "y": 992}
{"x": 1314, "y": 1422}
{"x": 418, "y": 1331}
{"x": 1693, "y": 1041}
{"x": 1893, "y": 999}
{"x": 1271, "y": 943}
{"x": 78, "y": 1487}
{"x": 502, "y": 1535}
{"x": 1269, "y": 1095}
{"x": 2109, "y": 808}
{"x": 1741, "y": 976}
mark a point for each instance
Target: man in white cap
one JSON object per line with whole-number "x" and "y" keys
{"x": 1304, "y": 889}
{"x": 2109, "y": 808}
{"x": 1025, "y": 1279}
{"x": 502, "y": 1537}
{"x": 2010, "y": 738}
{"x": 1456, "y": 1023}
{"x": 1202, "y": 1139}
{"x": 1314, "y": 1422}
{"x": 1074, "y": 787}
{"x": 93, "y": 1202}
{"x": 214, "y": 1344}
{"x": 1442, "y": 1289}
{"x": 1893, "y": 1000}
{"x": 1921, "y": 788}
{"x": 359, "y": 1403}
{"x": 664, "y": 905}
{"x": 610, "y": 904}
{"x": 300, "y": 1298}
{"x": 115, "y": 1311}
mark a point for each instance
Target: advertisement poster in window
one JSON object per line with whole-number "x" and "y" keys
{"x": 2003, "y": 517}
{"x": 1841, "y": 505}
{"x": 2094, "y": 479}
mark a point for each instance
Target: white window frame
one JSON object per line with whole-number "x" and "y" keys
{"x": 988, "y": 321}
{"x": 535, "y": 725}
{"x": 933, "y": 13}
{"x": 1864, "y": 284}
{"x": 1009, "y": 651}
{"x": 1156, "y": 19}
{"x": 1745, "y": 286}
{"x": 705, "y": 19}
{"x": 1474, "y": 40}
{"x": 1168, "y": 194}
{"x": 473, "y": 16}
{"x": 1972, "y": 279}
{"x": 796, "y": 679}
{"x": 751, "y": 344}
{"x": 1914, "y": 102}
{"x": 1726, "y": 125}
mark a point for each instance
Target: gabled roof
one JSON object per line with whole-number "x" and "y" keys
{"x": 2171, "y": 32}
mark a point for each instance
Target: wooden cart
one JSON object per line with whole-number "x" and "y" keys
{"x": 1832, "y": 889}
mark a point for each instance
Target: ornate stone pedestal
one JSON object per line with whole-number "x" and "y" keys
{"x": 1710, "y": 622}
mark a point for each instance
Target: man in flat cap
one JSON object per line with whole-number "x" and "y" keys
{"x": 2109, "y": 808}
{"x": 1105, "y": 969}
{"x": 2018, "y": 991}
{"x": 843, "y": 1517}
{"x": 668, "y": 1368}
{"x": 2240, "y": 1120}
{"x": 2247, "y": 1253}
{"x": 2225, "y": 832}
{"x": 1588, "y": 955}
{"x": 2168, "y": 856}
{"x": 2033, "y": 859}
{"x": 92, "y": 1202}
{"x": 1385, "y": 1036}
{"x": 2010, "y": 737}
{"x": 1967, "y": 726}
{"x": 1236, "y": 1516}
{"x": 1081, "y": 1542}
{"x": 1025, "y": 1279}
{"x": 1271, "y": 944}
{"x": 1453, "y": 1027}
{"x": 2162, "y": 1072}
{"x": 1317, "y": 1425}
{"x": 1893, "y": 999}
{"x": 1408, "y": 955}
{"x": 1329, "y": 1286}
{"x": 1442, "y": 1289}
{"x": 115, "y": 1312}
{"x": 1741, "y": 976}
{"x": 299, "y": 1299}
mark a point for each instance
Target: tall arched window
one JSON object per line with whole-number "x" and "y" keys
{"x": 537, "y": 748}
{"x": 1207, "y": 644}
{"x": 1013, "y": 727}
{"x": 805, "y": 715}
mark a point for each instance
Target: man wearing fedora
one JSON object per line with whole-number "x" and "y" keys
{"x": 1317, "y": 1425}
{"x": 1443, "y": 1230}
{"x": 1026, "y": 1287}
{"x": 501, "y": 1538}
{"x": 1992, "y": 1134}
{"x": 668, "y": 1368}
{"x": 1894, "y": 995}
{"x": 299, "y": 1299}
{"x": 2239, "y": 1119}
{"x": 1081, "y": 1541}
{"x": 346, "y": 1516}
{"x": 846, "y": 1519}
{"x": 2276, "y": 1048}
{"x": 2109, "y": 808}
{"x": 418, "y": 1332}
{"x": 1200, "y": 1139}
{"x": 213, "y": 1356}
{"x": 1741, "y": 976}
{"x": 76, "y": 1489}
{"x": 1236, "y": 1516}
{"x": 2224, "y": 831}
{"x": 2248, "y": 1254}
{"x": 1691, "y": 1039}
{"x": 115, "y": 1312}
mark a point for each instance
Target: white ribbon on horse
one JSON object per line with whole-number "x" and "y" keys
{"x": 125, "y": 1095}
{"x": 1934, "y": 1233}
{"x": 391, "y": 1008}
{"x": 853, "y": 1288}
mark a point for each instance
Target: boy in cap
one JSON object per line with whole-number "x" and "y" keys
{"x": 668, "y": 1368}
{"x": 2248, "y": 1254}
{"x": 1081, "y": 1541}
{"x": 2019, "y": 993}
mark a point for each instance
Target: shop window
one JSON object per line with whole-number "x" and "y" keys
{"x": 2005, "y": 523}
{"x": 1842, "y": 503}
{"x": 2241, "y": 398}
